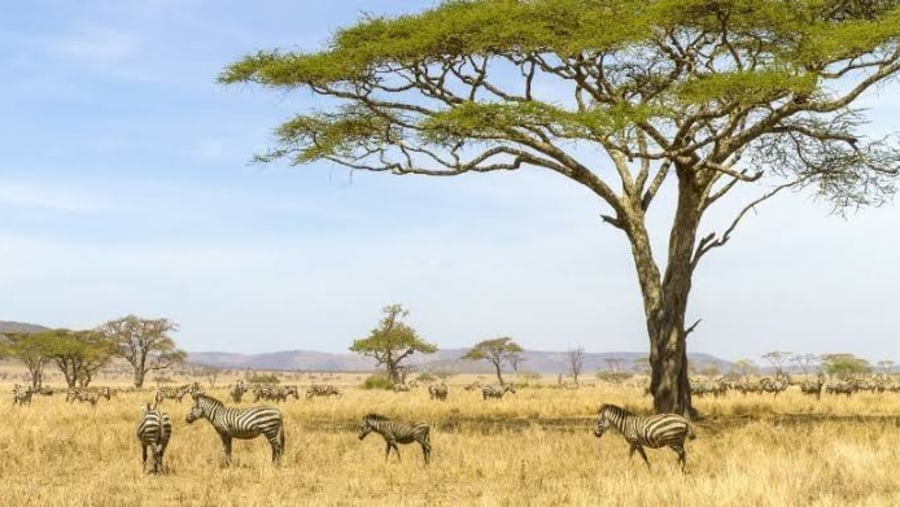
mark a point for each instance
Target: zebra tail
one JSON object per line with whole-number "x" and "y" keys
{"x": 691, "y": 434}
{"x": 281, "y": 436}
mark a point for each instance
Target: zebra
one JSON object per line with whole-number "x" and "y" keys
{"x": 154, "y": 431}
{"x": 238, "y": 390}
{"x": 286, "y": 391}
{"x": 438, "y": 392}
{"x": 266, "y": 393}
{"x": 401, "y": 388}
{"x": 322, "y": 390}
{"x": 104, "y": 392}
{"x": 241, "y": 423}
{"x": 22, "y": 395}
{"x": 815, "y": 388}
{"x": 395, "y": 432}
{"x": 496, "y": 392}
{"x": 652, "y": 431}
{"x": 473, "y": 386}
{"x": 169, "y": 393}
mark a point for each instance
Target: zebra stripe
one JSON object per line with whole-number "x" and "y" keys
{"x": 241, "y": 423}
{"x": 652, "y": 431}
{"x": 397, "y": 432}
{"x": 496, "y": 392}
{"x": 238, "y": 390}
{"x": 154, "y": 431}
{"x": 322, "y": 390}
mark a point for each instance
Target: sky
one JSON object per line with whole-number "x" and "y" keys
{"x": 126, "y": 188}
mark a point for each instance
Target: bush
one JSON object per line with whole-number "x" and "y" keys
{"x": 426, "y": 377}
{"x": 262, "y": 379}
{"x": 377, "y": 382}
{"x": 530, "y": 375}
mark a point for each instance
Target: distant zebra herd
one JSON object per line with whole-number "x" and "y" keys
{"x": 720, "y": 386}
{"x": 22, "y": 394}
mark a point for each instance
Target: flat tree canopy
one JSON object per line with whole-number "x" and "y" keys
{"x": 619, "y": 96}
{"x": 392, "y": 342}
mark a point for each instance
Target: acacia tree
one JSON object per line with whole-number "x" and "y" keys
{"x": 144, "y": 343}
{"x": 496, "y": 351}
{"x": 392, "y": 342}
{"x": 79, "y": 355}
{"x": 711, "y": 99}
{"x": 843, "y": 365}
{"x": 806, "y": 362}
{"x": 575, "y": 360}
{"x": 777, "y": 358}
{"x": 32, "y": 350}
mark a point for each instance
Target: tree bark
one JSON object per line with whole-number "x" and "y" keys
{"x": 499, "y": 375}
{"x": 139, "y": 374}
{"x": 665, "y": 298}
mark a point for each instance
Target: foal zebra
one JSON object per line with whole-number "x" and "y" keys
{"x": 496, "y": 392}
{"x": 397, "y": 432}
{"x": 321, "y": 390}
{"x": 154, "y": 431}
{"x": 241, "y": 423}
{"x": 652, "y": 431}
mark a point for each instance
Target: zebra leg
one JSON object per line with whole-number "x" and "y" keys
{"x": 226, "y": 446}
{"x": 682, "y": 456}
{"x": 426, "y": 450}
{"x": 387, "y": 450}
{"x": 144, "y": 456}
{"x": 640, "y": 451}
{"x": 277, "y": 442}
{"x": 397, "y": 450}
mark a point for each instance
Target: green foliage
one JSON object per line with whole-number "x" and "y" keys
{"x": 843, "y": 365}
{"x": 530, "y": 376}
{"x": 392, "y": 341}
{"x": 426, "y": 377}
{"x": 377, "y": 382}
{"x": 145, "y": 343}
{"x": 262, "y": 378}
{"x": 613, "y": 377}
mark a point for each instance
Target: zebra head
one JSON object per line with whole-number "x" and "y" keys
{"x": 197, "y": 411}
{"x": 603, "y": 421}
{"x": 369, "y": 422}
{"x": 510, "y": 388}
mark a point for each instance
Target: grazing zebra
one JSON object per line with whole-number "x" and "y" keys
{"x": 154, "y": 431}
{"x": 241, "y": 423}
{"x": 104, "y": 392}
{"x": 397, "y": 432}
{"x": 170, "y": 393}
{"x": 266, "y": 393}
{"x": 496, "y": 392}
{"x": 238, "y": 390}
{"x": 813, "y": 387}
{"x": 322, "y": 390}
{"x": 286, "y": 391}
{"x": 22, "y": 395}
{"x": 473, "y": 386}
{"x": 438, "y": 392}
{"x": 401, "y": 388}
{"x": 652, "y": 431}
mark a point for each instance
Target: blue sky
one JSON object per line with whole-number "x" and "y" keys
{"x": 125, "y": 188}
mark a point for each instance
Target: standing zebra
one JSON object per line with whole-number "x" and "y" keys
{"x": 652, "y": 431}
{"x": 242, "y": 423}
{"x": 22, "y": 395}
{"x": 322, "y": 390}
{"x": 271, "y": 393}
{"x": 496, "y": 392}
{"x": 438, "y": 392}
{"x": 238, "y": 390}
{"x": 286, "y": 391}
{"x": 154, "y": 431}
{"x": 397, "y": 432}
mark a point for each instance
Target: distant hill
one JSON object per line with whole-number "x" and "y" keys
{"x": 545, "y": 362}
{"x": 7, "y": 326}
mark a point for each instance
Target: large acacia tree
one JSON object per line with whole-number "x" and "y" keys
{"x": 622, "y": 97}
{"x": 145, "y": 343}
{"x": 392, "y": 342}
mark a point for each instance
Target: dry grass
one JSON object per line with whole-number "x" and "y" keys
{"x": 531, "y": 448}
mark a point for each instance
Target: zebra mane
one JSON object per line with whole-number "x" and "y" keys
{"x": 615, "y": 410}
{"x": 199, "y": 396}
{"x": 376, "y": 417}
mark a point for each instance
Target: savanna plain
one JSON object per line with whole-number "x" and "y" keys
{"x": 534, "y": 447}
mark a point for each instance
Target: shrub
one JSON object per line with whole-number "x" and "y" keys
{"x": 426, "y": 377}
{"x": 259, "y": 378}
{"x": 377, "y": 382}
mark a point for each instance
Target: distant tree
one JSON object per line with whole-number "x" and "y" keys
{"x": 710, "y": 370}
{"x": 212, "y": 374}
{"x": 392, "y": 342}
{"x": 144, "y": 343}
{"x": 31, "y": 349}
{"x": 885, "y": 367}
{"x": 710, "y": 100}
{"x": 79, "y": 355}
{"x": 806, "y": 362}
{"x": 744, "y": 367}
{"x": 496, "y": 351}
{"x": 641, "y": 365}
{"x": 777, "y": 358}
{"x": 614, "y": 364}
{"x": 843, "y": 365}
{"x": 575, "y": 360}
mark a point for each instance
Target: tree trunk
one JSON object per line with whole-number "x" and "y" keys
{"x": 139, "y": 374}
{"x": 499, "y": 375}
{"x": 666, "y": 297}
{"x": 393, "y": 373}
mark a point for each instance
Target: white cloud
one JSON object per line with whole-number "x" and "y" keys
{"x": 96, "y": 46}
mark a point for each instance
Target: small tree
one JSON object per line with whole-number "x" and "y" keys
{"x": 777, "y": 358}
{"x": 392, "y": 342}
{"x": 885, "y": 367}
{"x": 806, "y": 362}
{"x": 31, "y": 349}
{"x": 844, "y": 365}
{"x": 144, "y": 343}
{"x": 212, "y": 374}
{"x": 79, "y": 355}
{"x": 575, "y": 359}
{"x": 710, "y": 370}
{"x": 496, "y": 351}
{"x": 743, "y": 367}
{"x": 614, "y": 364}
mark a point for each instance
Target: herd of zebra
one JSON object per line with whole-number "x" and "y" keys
{"x": 720, "y": 386}
{"x": 22, "y": 394}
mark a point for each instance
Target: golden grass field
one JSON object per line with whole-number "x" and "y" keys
{"x": 531, "y": 448}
